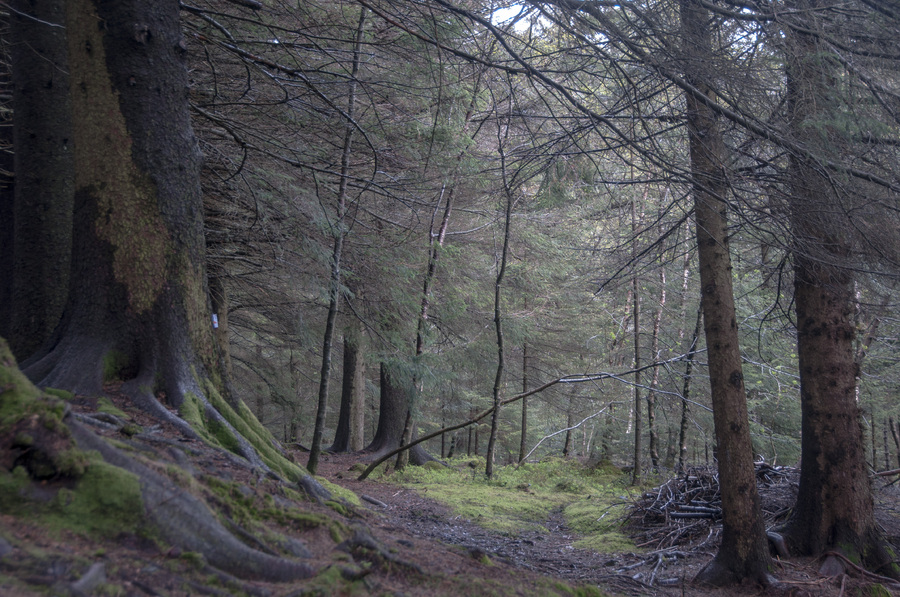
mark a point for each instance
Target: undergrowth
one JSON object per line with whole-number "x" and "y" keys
{"x": 524, "y": 498}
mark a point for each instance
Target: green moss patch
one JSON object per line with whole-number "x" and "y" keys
{"x": 524, "y": 498}
{"x": 105, "y": 405}
{"x": 105, "y": 501}
{"x": 62, "y": 394}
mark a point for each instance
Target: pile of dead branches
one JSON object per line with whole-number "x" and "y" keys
{"x": 688, "y": 508}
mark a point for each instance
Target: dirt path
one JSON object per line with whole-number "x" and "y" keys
{"x": 404, "y": 512}
{"x": 548, "y": 552}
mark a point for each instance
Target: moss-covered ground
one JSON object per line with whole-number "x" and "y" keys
{"x": 591, "y": 500}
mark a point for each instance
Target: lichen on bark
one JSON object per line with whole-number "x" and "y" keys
{"x": 127, "y": 215}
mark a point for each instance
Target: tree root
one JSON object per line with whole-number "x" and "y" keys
{"x": 363, "y": 544}
{"x": 835, "y": 559}
{"x": 187, "y": 522}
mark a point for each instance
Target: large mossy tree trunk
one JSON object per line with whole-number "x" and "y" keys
{"x": 42, "y": 213}
{"x": 834, "y": 510}
{"x": 138, "y": 307}
{"x": 743, "y": 553}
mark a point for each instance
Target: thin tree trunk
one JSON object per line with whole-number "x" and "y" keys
{"x": 896, "y": 438}
{"x": 887, "y": 446}
{"x": 523, "y": 447}
{"x": 567, "y": 445}
{"x": 636, "y": 314}
{"x": 435, "y": 243}
{"x": 338, "y": 230}
{"x": 686, "y": 392}
{"x": 498, "y": 322}
{"x": 654, "y": 382}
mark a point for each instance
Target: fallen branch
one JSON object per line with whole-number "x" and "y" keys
{"x": 589, "y": 377}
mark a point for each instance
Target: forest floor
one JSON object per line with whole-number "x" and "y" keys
{"x": 405, "y": 543}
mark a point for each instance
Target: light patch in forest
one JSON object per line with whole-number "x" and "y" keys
{"x": 525, "y": 498}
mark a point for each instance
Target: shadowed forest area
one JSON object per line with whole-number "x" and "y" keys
{"x": 286, "y": 285}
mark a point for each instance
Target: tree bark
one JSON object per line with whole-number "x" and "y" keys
{"x": 338, "y": 230}
{"x": 394, "y": 404}
{"x": 138, "y": 305}
{"x": 523, "y": 437}
{"x": 7, "y": 179}
{"x": 638, "y": 423}
{"x": 44, "y": 170}
{"x": 347, "y": 438}
{"x": 686, "y": 392}
{"x": 743, "y": 553}
{"x": 835, "y": 509}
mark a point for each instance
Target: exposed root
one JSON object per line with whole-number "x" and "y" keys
{"x": 187, "y": 522}
{"x": 364, "y": 545}
{"x": 830, "y": 558}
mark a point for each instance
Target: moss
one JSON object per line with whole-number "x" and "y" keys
{"x": 63, "y": 394}
{"x": 873, "y": 590}
{"x": 246, "y": 423}
{"x": 130, "y": 430}
{"x": 106, "y": 501}
{"x": 72, "y": 462}
{"x": 524, "y": 498}
{"x": 23, "y": 440}
{"x": 333, "y": 580}
{"x": 338, "y": 492}
{"x": 14, "y": 490}
{"x": 105, "y": 405}
{"x": 115, "y": 364}
{"x": 196, "y": 560}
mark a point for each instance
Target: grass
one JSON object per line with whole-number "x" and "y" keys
{"x": 524, "y": 498}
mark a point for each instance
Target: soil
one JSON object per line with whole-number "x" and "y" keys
{"x": 416, "y": 545}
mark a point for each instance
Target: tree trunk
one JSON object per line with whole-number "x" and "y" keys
{"x": 654, "y": 381}
{"x": 394, "y": 405}
{"x": 638, "y": 423}
{"x": 743, "y": 553}
{"x": 498, "y": 321}
{"x": 523, "y": 437}
{"x": 834, "y": 508}
{"x": 338, "y": 229}
{"x": 42, "y": 129}
{"x": 7, "y": 179}
{"x": 348, "y": 435}
{"x": 138, "y": 304}
{"x": 686, "y": 392}
{"x": 567, "y": 445}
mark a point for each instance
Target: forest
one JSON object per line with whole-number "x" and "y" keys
{"x": 652, "y": 235}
